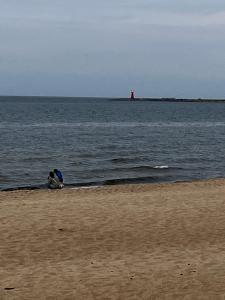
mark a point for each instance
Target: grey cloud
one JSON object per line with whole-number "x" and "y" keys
{"x": 198, "y": 6}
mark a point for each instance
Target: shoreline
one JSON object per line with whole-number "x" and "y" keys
{"x": 110, "y": 182}
{"x": 134, "y": 241}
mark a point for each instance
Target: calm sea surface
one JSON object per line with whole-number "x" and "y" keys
{"x": 100, "y": 141}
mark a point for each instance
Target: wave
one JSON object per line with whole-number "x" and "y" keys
{"x": 94, "y": 125}
{"x": 119, "y": 160}
{"x": 39, "y": 158}
{"x": 145, "y": 179}
{"x": 161, "y": 167}
{"x": 85, "y": 172}
{"x": 4, "y": 179}
{"x": 137, "y": 168}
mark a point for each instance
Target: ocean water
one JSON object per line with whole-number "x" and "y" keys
{"x": 101, "y": 141}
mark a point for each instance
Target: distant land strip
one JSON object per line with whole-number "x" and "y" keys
{"x": 163, "y": 99}
{"x": 198, "y": 100}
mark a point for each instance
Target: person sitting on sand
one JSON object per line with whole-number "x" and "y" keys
{"x": 53, "y": 182}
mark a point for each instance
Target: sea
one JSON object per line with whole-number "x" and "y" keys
{"x": 105, "y": 141}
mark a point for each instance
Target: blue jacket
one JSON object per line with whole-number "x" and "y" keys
{"x": 59, "y": 175}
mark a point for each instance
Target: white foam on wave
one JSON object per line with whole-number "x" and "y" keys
{"x": 161, "y": 167}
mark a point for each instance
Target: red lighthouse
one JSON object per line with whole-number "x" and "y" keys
{"x": 132, "y": 95}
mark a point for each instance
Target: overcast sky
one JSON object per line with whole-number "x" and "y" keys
{"x": 160, "y": 48}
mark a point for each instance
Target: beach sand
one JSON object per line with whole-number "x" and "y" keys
{"x": 161, "y": 241}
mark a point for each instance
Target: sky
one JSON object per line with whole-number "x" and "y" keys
{"x": 105, "y": 48}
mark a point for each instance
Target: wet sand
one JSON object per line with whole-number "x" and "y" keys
{"x": 164, "y": 241}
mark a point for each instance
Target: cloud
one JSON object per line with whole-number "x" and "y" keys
{"x": 112, "y": 13}
{"x": 200, "y": 6}
{"x": 177, "y": 19}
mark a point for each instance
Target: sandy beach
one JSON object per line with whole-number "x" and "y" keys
{"x": 161, "y": 241}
